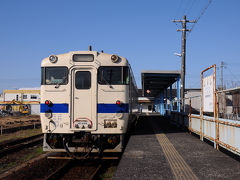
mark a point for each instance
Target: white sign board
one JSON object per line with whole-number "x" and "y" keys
{"x": 208, "y": 94}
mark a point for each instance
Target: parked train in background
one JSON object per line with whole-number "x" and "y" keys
{"x": 88, "y": 101}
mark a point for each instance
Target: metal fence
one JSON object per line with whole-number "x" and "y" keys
{"x": 222, "y": 132}
{"x": 229, "y": 104}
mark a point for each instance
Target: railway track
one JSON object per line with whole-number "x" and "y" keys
{"x": 15, "y": 129}
{"x": 76, "y": 170}
{"x": 13, "y": 146}
{"x": 81, "y": 169}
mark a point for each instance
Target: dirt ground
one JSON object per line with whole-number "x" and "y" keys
{"x": 16, "y": 121}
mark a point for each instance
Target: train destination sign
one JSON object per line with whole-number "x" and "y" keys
{"x": 208, "y": 94}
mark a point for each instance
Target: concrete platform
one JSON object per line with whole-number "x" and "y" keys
{"x": 157, "y": 150}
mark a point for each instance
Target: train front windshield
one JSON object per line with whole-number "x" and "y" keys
{"x": 54, "y": 75}
{"x": 113, "y": 75}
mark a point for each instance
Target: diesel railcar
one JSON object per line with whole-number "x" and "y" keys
{"x": 88, "y": 101}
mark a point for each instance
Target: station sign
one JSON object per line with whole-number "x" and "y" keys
{"x": 208, "y": 94}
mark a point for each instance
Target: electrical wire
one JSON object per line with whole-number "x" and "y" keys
{"x": 55, "y": 126}
{"x": 233, "y": 75}
{"x": 188, "y": 7}
{"x": 177, "y": 12}
{"x": 193, "y": 12}
{"x": 178, "y": 9}
{"x": 196, "y": 83}
{"x": 65, "y": 145}
{"x": 201, "y": 14}
{"x": 230, "y": 83}
{"x": 191, "y": 6}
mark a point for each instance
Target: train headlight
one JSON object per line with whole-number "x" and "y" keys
{"x": 114, "y": 58}
{"x": 53, "y": 58}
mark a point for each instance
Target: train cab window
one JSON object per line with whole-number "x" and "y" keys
{"x": 54, "y": 75}
{"x": 113, "y": 75}
{"x": 83, "y": 80}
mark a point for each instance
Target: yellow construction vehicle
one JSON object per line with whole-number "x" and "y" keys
{"x": 17, "y": 107}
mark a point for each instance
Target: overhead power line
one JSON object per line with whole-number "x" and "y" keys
{"x": 202, "y": 13}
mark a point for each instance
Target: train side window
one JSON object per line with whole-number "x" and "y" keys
{"x": 83, "y": 80}
{"x": 126, "y": 75}
{"x": 42, "y": 75}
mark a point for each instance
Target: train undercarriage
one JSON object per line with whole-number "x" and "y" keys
{"x": 83, "y": 143}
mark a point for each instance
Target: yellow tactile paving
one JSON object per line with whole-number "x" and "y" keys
{"x": 179, "y": 167}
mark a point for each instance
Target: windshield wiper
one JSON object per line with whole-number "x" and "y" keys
{"x": 102, "y": 78}
{"x": 58, "y": 84}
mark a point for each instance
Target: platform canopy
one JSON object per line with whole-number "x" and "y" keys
{"x": 153, "y": 82}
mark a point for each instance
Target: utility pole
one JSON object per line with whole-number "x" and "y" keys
{"x": 222, "y": 75}
{"x": 183, "y": 55}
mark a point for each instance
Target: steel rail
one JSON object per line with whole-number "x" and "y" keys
{"x": 19, "y": 128}
{"x": 13, "y": 146}
{"x": 67, "y": 166}
{"x": 95, "y": 172}
{"x": 58, "y": 170}
{"x": 87, "y": 158}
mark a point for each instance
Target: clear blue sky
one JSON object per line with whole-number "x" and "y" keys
{"x": 142, "y": 31}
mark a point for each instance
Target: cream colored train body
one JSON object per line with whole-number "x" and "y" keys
{"x": 88, "y": 101}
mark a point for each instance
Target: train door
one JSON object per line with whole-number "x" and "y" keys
{"x": 84, "y": 87}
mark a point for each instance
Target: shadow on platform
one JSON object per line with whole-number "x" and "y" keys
{"x": 144, "y": 126}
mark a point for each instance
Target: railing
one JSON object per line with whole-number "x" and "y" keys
{"x": 222, "y": 132}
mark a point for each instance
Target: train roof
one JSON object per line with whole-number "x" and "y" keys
{"x": 103, "y": 59}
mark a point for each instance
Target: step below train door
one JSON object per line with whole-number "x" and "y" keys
{"x": 84, "y": 99}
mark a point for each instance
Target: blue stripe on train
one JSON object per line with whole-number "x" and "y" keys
{"x": 54, "y": 108}
{"x": 112, "y": 108}
{"x": 101, "y": 108}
